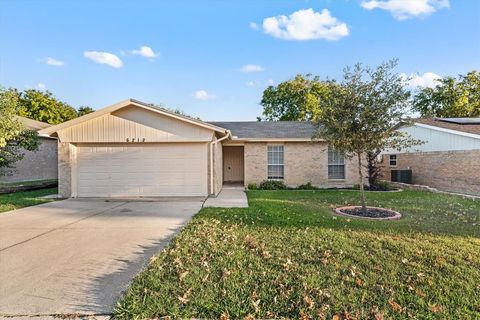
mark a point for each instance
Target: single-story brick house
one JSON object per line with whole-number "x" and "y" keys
{"x": 134, "y": 149}
{"x": 35, "y": 165}
{"x": 449, "y": 159}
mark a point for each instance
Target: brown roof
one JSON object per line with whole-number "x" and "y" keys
{"x": 435, "y": 122}
{"x": 33, "y": 124}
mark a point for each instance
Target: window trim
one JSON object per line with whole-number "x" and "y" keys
{"x": 276, "y": 165}
{"x": 390, "y": 160}
{"x": 329, "y": 149}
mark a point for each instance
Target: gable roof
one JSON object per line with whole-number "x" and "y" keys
{"x": 443, "y": 124}
{"x": 127, "y": 103}
{"x": 251, "y": 130}
{"x": 33, "y": 124}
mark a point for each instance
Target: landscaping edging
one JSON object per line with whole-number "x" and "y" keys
{"x": 396, "y": 216}
{"x": 421, "y": 187}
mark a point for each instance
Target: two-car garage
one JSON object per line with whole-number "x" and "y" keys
{"x": 148, "y": 170}
{"x": 132, "y": 149}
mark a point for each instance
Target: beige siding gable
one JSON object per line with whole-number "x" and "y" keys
{"x": 134, "y": 123}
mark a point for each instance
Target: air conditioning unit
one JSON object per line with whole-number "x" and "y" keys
{"x": 403, "y": 176}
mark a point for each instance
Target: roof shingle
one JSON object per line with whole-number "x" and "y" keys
{"x": 268, "y": 129}
{"x": 435, "y": 122}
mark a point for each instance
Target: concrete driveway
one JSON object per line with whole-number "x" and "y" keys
{"x": 77, "y": 256}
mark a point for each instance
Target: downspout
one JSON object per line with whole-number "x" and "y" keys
{"x": 211, "y": 158}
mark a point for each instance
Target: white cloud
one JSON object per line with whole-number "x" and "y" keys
{"x": 407, "y": 9}
{"x": 252, "y": 68}
{"x": 253, "y": 26}
{"x": 41, "y": 86}
{"x": 146, "y": 52}
{"x": 204, "y": 95}
{"x": 251, "y": 83}
{"x": 426, "y": 80}
{"x": 54, "y": 62}
{"x": 306, "y": 25}
{"x": 270, "y": 82}
{"x": 104, "y": 58}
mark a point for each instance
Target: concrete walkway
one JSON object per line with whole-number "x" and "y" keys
{"x": 229, "y": 197}
{"x": 77, "y": 256}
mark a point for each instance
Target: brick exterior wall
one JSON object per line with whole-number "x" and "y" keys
{"x": 217, "y": 168}
{"x": 65, "y": 155}
{"x": 35, "y": 165}
{"x": 303, "y": 162}
{"x": 451, "y": 171}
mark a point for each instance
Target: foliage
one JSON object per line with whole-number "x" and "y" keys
{"x": 451, "y": 97}
{"x": 362, "y": 114}
{"x": 174, "y": 110}
{"x": 307, "y": 186}
{"x": 14, "y": 137}
{"x": 43, "y": 106}
{"x": 380, "y": 185}
{"x": 272, "y": 185}
{"x": 288, "y": 257}
{"x": 17, "y": 200}
{"x": 83, "y": 110}
{"x": 296, "y": 99}
{"x": 374, "y": 168}
{"x": 252, "y": 186}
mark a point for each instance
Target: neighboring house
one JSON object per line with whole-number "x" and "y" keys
{"x": 134, "y": 149}
{"x": 449, "y": 159}
{"x": 35, "y": 165}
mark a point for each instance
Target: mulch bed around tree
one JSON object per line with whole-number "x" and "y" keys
{"x": 371, "y": 213}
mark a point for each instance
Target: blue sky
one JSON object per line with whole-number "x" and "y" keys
{"x": 201, "y": 50}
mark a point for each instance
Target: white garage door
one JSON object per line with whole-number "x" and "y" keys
{"x": 161, "y": 169}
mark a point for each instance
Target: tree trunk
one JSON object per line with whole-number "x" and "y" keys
{"x": 360, "y": 178}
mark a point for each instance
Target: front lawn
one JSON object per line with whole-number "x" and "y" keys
{"x": 288, "y": 256}
{"x": 17, "y": 200}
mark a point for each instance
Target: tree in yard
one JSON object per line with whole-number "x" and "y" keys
{"x": 363, "y": 113}
{"x": 296, "y": 99}
{"x": 374, "y": 170}
{"x": 451, "y": 97}
{"x": 43, "y": 106}
{"x": 14, "y": 137}
{"x": 83, "y": 110}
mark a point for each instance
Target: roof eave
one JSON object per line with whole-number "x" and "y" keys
{"x": 122, "y": 104}
{"x": 276, "y": 139}
{"x": 456, "y": 132}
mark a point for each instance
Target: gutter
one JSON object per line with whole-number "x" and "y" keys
{"x": 228, "y": 135}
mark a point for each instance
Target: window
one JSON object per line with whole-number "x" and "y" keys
{"x": 336, "y": 164}
{"x": 393, "y": 160}
{"x": 275, "y": 162}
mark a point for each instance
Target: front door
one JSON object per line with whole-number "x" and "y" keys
{"x": 233, "y": 164}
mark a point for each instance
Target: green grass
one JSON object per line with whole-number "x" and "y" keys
{"x": 17, "y": 200}
{"x": 26, "y": 183}
{"x": 287, "y": 256}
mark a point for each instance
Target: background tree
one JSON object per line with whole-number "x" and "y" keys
{"x": 451, "y": 97}
{"x": 295, "y": 99}
{"x": 362, "y": 114}
{"x": 43, "y": 106}
{"x": 83, "y": 110}
{"x": 14, "y": 137}
{"x": 174, "y": 110}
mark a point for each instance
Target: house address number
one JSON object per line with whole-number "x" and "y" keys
{"x": 135, "y": 139}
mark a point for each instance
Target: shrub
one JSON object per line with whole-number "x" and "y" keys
{"x": 307, "y": 186}
{"x": 381, "y": 186}
{"x": 252, "y": 186}
{"x": 378, "y": 186}
{"x": 272, "y": 185}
